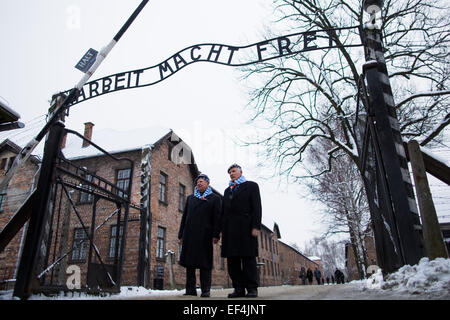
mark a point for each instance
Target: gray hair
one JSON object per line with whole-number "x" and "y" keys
{"x": 234, "y": 165}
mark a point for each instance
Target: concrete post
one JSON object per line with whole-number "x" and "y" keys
{"x": 169, "y": 259}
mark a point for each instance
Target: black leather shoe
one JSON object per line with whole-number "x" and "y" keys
{"x": 190, "y": 293}
{"x": 252, "y": 293}
{"x": 237, "y": 294}
{"x": 205, "y": 294}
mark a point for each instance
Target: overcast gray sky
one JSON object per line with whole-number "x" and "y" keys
{"x": 42, "y": 40}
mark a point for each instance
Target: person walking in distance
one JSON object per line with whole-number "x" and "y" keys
{"x": 338, "y": 275}
{"x": 303, "y": 275}
{"x": 199, "y": 229}
{"x": 241, "y": 222}
{"x": 317, "y": 275}
{"x": 309, "y": 275}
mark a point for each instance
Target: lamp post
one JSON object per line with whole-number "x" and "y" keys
{"x": 369, "y": 5}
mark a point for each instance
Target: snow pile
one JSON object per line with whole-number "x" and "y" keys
{"x": 125, "y": 293}
{"x": 375, "y": 281}
{"x": 134, "y": 292}
{"x": 427, "y": 277}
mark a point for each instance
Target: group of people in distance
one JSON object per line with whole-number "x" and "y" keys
{"x": 234, "y": 219}
{"x": 308, "y": 275}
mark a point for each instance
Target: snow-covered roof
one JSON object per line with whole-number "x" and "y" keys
{"x": 6, "y": 111}
{"x": 432, "y": 154}
{"x": 314, "y": 258}
{"x": 113, "y": 141}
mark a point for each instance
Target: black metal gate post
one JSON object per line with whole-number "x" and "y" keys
{"x": 143, "y": 276}
{"x": 381, "y": 213}
{"x": 406, "y": 223}
{"x": 39, "y": 215}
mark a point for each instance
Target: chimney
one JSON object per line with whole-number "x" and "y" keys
{"x": 64, "y": 140}
{"x": 87, "y": 133}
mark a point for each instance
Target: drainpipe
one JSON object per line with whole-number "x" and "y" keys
{"x": 273, "y": 262}
{"x": 22, "y": 239}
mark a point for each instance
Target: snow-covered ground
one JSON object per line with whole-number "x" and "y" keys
{"x": 428, "y": 279}
{"x": 125, "y": 293}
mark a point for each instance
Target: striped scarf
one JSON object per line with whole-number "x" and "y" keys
{"x": 198, "y": 195}
{"x": 237, "y": 182}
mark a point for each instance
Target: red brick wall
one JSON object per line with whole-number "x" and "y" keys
{"x": 268, "y": 249}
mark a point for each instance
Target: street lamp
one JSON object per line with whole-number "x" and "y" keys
{"x": 370, "y": 5}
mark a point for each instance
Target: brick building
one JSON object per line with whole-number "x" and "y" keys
{"x": 291, "y": 262}
{"x": 280, "y": 263}
{"x": 159, "y": 183}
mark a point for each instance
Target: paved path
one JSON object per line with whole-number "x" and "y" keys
{"x": 347, "y": 291}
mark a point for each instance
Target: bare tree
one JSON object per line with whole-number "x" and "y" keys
{"x": 308, "y": 100}
{"x": 342, "y": 193}
{"x": 311, "y": 95}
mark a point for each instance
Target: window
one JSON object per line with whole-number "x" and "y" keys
{"x": 163, "y": 187}
{"x": 113, "y": 240}
{"x": 87, "y": 197}
{"x": 11, "y": 161}
{"x": 3, "y": 198}
{"x": 123, "y": 180}
{"x": 160, "y": 243}
{"x": 181, "y": 195}
{"x": 80, "y": 243}
{"x": 6, "y": 163}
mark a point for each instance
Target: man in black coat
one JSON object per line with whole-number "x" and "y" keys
{"x": 303, "y": 275}
{"x": 338, "y": 276}
{"x": 199, "y": 229}
{"x": 318, "y": 275}
{"x": 309, "y": 275}
{"x": 241, "y": 222}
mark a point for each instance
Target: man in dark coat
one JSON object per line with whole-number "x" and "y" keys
{"x": 199, "y": 229}
{"x": 317, "y": 275}
{"x": 241, "y": 222}
{"x": 303, "y": 275}
{"x": 339, "y": 276}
